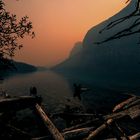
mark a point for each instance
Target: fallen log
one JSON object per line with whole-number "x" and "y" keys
{"x": 124, "y": 103}
{"x": 132, "y": 104}
{"x": 43, "y": 138}
{"x": 73, "y": 134}
{"x": 93, "y": 134}
{"x": 114, "y": 131}
{"x": 133, "y": 112}
{"x": 48, "y": 123}
{"x": 129, "y": 125}
{"x": 18, "y": 103}
{"x": 123, "y": 134}
{"x": 87, "y": 123}
{"x": 73, "y": 115}
{"x": 78, "y": 133}
{"x": 133, "y": 137}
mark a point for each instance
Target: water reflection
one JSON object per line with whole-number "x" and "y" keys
{"x": 54, "y": 88}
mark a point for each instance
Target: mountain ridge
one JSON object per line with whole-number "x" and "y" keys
{"x": 17, "y": 68}
{"x": 115, "y": 63}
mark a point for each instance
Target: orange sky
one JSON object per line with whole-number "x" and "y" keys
{"x": 58, "y": 24}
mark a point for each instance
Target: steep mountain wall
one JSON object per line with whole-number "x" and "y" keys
{"x": 112, "y": 64}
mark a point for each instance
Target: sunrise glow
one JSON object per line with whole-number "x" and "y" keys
{"x": 58, "y": 24}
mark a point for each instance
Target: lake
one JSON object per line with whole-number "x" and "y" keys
{"x": 57, "y": 91}
{"x": 54, "y": 88}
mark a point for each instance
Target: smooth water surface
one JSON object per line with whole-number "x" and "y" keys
{"x": 54, "y": 88}
{"x": 57, "y": 92}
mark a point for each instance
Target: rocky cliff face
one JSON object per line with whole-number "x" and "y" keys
{"x": 115, "y": 63}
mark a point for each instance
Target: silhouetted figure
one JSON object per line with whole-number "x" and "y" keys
{"x": 77, "y": 91}
{"x": 33, "y": 91}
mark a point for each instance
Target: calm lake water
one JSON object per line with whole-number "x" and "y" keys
{"x": 54, "y": 88}
{"x": 57, "y": 91}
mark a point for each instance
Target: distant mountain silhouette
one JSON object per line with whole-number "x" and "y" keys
{"x": 76, "y": 49}
{"x": 112, "y": 64}
{"x": 19, "y": 67}
{"x": 24, "y": 67}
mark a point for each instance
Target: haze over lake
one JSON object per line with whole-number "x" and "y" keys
{"x": 57, "y": 90}
{"x": 54, "y": 88}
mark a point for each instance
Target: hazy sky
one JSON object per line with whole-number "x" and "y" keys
{"x": 58, "y": 24}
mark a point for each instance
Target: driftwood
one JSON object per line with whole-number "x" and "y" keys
{"x": 18, "y": 103}
{"x": 73, "y": 134}
{"x": 80, "y": 125}
{"x": 128, "y": 124}
{"x": 132, "y": 104}
{"x": 73, "y": 115}
{"x": 99, "y": 129}
{"x": 87, "y": 130}
{"x": 43, "y": 138}
{"x": 133, "y": 112}
{"x": 78, "y": 133}
{"x": 124, "y": 103}
{"x": 133, "y": 137}
{"x": 113, "y": 129}
{"x": 122, "y": 133}
{"x": 48, "y": 123}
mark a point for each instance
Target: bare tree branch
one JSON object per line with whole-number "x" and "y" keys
{"x": 11, "y": 30}
{"x": 134, "y": 28}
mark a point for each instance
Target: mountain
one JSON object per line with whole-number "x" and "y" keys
{"x": 76, "y": 49}
{"x": 114, "y": 64}
{"x": 17, "y": 67}
{"x": 24, "y": 67}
